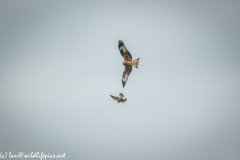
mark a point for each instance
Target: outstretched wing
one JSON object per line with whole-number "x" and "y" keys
{"x": 124, "y": 100}
{"x": 126, "y": 74}
{"x": 123, "y": 50}
{"x": 115, "y": 98}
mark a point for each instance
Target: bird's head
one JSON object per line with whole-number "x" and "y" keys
{"x": 121, "y": 95}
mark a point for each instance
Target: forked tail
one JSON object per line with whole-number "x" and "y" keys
{"x": 136, "y": 62}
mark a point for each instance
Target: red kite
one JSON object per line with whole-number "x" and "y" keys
{"x": 128, "y": 63}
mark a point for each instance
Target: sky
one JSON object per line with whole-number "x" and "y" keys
{"x": 59, "y": 63}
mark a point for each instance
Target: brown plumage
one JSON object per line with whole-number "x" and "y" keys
{"x": 128, "y": 63}
{"x": 120, "y": 98}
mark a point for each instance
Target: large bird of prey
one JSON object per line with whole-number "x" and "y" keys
{"x": 128, "y": 63}
{"x": 120, "y": 98}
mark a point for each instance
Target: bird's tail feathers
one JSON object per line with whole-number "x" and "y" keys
{"x": 136, "y": 62}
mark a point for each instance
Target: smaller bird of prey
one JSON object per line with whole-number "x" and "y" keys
{"x": 120, "y": 98}
{"x": 128, "y": 63}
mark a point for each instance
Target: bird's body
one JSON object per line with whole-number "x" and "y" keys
{"x": 120, "y": 98}
{"x": 128, "y": 63}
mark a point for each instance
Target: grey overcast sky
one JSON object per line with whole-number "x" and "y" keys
{"x": 59, "y": 63}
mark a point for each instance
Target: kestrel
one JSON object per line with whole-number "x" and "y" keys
{"x": 120, "y": 98}
{"x": 128, "y": 63}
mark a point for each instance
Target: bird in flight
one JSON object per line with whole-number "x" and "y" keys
{"x": 128, "y": 63}
{"x": 120, "y": 98}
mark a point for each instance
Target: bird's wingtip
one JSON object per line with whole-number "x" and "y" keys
{"x": 123, "y": 83}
